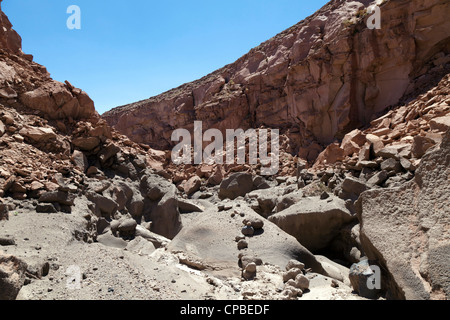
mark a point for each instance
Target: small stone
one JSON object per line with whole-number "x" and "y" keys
{"x": 302, "y": 282}
{"x": 294, "y": 264}
{"x": 291, "y": 274}
{"x": 248, "y": 230}
{"x": 242, "y": 244}
{"x": 334, "y": 284}
{"x": 7, "y": 242}
{"x": 255, "y": 223}
{"x": 324, "y": 196}
{"x": 249, "y": 272}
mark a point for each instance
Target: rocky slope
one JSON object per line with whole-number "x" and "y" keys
{"x": 86, "y": 213}
{"x": 316, "y": 81}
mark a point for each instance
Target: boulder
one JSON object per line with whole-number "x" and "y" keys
{"x": 45, "y": 208}
{"x": 60, "y": 197}
{"x": 260, "y": 183}
{"x": 421, "y": 145}
{"x": 108, "y": 152}
{"x": 391, "y": 165}
{"x": 294, "y": 264}
{"x": 57, "y": 101}
{"x": 314, "y": 223}
{"x": 165, "y": 217}
{"x": 378, "y": 179}
{"x": 103, "y": 206}
{"x": 353, "y": 187}
{"x": 249, "y": 272}
{"x": 141, "y": 246}
{"x": 136, "y": 206}
{"x": 352, "y": 142}
{"x": 192, "y": 185}
{"x": 332, "y": 154}
{"x": 266, "y": 199}
{"x": 12, "y": 276}
{"x": 406, "y": 230}
{"x": 37, "y": 134}
{"x": 154, "y": 187}
{"x": 217, "y": 176}
{"x": 291, "y": 274}
{"x": 86, "y": 143}
{"x": 255, "y": 223}
{"x": 215, "y": 245}
{"x": 441, "y": 124}
{"x": 80, "y": 161}
{"x": 236, "y": 185}
{"x": 376, "y": 142}
{"x": 395, "y": 151}
{"x": 127, "y": 228}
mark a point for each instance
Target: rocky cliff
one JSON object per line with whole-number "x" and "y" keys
{"x": 316, "y": 81}
{"x": 28, "y": 86}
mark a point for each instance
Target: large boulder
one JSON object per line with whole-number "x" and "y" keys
{"x": 211, "y": 238}
{"x": 314, "y": 222}
{"x": 163, "y": 210}
{"x": 406, "y": 230}
{"x": 59, "y": 101}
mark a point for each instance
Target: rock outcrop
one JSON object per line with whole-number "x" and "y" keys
{"x": 405, "y": 230}
{"x": 27, "y": 85}
{"x": 316, "y": 81}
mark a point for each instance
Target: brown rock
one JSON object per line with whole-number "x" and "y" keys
{"x": 2, "y": 128}
{"x": 377, "y": 143}
{"x": 421, "y": 145}
{"x": 12, "y": 271}
{"x": 56, "y": 101}
{"x": 217, "y": 176}
{"x": 38, "y": 134}
{"x": 80, "y": 160}
{"x": 4, "y": 215}
{"x": 86, "y": 143}
{"x": 192, "y": 185}
{"x": 332, "y": 154}
{"x": 441, "y": 124}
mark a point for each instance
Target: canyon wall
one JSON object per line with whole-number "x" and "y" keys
{"x": 316, "y": 81}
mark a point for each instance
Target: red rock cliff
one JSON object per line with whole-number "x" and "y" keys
{"x": 316, "y": 81}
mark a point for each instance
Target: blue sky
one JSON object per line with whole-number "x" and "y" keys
{"x": 131, "y": 50}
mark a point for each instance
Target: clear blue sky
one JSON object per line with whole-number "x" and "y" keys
{"x": 131, "y": 50}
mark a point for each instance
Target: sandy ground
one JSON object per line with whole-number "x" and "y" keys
{"x": 94, "y": 271}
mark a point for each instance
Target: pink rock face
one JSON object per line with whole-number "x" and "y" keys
{"x": 320, "y": 79}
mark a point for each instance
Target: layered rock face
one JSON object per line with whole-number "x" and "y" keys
{"x": 316, "y": 81}
{"x": 406, "y": 230}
